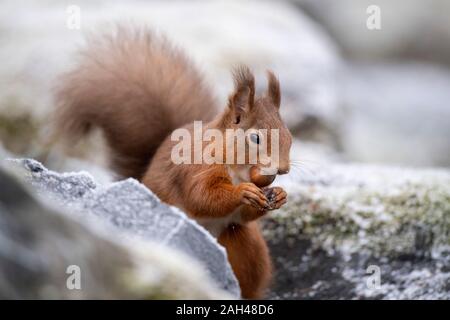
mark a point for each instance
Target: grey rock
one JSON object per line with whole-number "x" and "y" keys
{"x": 135, "y": 213}
{"x": 42, "y": 249}
{"x": 411, "y": 29}
{"x": 32, "y": 262}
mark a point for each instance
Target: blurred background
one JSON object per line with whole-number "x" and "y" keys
{"x": 356, "y": 86}
{"x": 365, "y": 91}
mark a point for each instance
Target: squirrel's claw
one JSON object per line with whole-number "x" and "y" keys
{"x": 277, "y": 197}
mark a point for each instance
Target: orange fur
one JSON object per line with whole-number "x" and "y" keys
{"x": 249, "y": 257}
{"x": 138, "y": 89}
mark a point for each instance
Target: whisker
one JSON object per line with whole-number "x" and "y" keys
{"x": 307, "y": 171}
{"x": 302, "y": 168}
{"x": 305, "y": 161}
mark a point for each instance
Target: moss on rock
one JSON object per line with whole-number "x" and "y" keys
{"x": 366, "y": 209}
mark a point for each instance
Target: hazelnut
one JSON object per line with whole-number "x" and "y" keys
{"x": 259, "y": 179}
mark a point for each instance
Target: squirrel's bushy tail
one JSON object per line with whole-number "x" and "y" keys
{"x": 137, "y": 89}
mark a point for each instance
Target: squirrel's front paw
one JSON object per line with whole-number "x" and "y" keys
{"x": 251, "y": 195}
{"x": 277, "y": 197}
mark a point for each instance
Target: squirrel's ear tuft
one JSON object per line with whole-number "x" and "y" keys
{"x": 273, "y": 91}
{"x": 241, "y": 100}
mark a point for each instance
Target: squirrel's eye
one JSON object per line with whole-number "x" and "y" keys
{"x": 254, "y": 137}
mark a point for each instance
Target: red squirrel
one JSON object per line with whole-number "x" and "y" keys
{"x": 138, "y": 88}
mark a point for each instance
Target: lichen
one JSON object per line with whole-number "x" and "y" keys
{"x": 380, "y": 211}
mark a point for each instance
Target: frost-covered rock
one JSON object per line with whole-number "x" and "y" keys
{"x": 361, "y": 208}
{"x": 126, "y": 214}
{"x": 342, "y": 223}
{"x": 341, "y": 219}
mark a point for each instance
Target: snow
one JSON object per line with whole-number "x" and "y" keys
{"x": 137, "y": 213}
